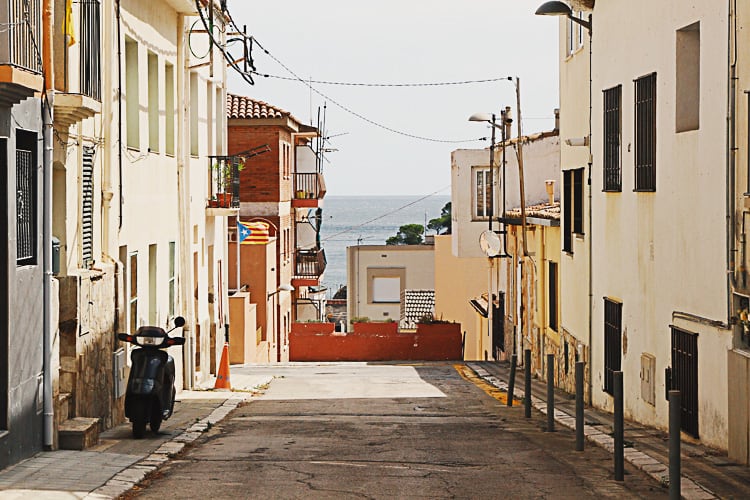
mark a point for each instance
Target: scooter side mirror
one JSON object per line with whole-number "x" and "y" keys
{"x": 179, "y": 321}
{"x": 124, "y": 337}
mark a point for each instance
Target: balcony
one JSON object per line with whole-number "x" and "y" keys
{"x": 308, "y": 189}
{"x": 309, "y": 266}
{"x": 78, "y": 72}
{"x": 20, "y": 50}
{"x": 224, "y": 185}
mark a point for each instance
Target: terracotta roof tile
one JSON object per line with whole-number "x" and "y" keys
{"x": 246, "y": 108}
{"x": 542, "y": 211}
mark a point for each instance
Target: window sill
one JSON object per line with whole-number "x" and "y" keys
{"x": 614, "y": 191}
{"x": 580, "y": 236}
{"x": 644, "y": 190}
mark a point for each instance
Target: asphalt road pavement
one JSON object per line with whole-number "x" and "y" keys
{"x": 387, "y": 431}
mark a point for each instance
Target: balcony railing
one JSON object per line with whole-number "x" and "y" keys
{"x": 90, "y": 63}
{"x": 309, "y": 186}
{"x": 224, "y": 175}
{"x": 311, "y": 263}
{"x": 21, "y": 34}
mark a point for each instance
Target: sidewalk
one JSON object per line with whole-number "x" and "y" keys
{"x": 706, "y": 473}
{"x": 119, "y": 462}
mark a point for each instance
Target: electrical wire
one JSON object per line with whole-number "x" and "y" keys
{"x": 360, "y": 84}
{"x": 330, "y": 238}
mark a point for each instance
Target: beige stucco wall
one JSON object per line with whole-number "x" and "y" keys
{"x": 541, "y": 162}
{"x": 456, "y": 282}
{"x": 663, "y": 252}
{"x": 416, "y": 262}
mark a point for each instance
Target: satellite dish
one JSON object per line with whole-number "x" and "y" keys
{"x": 490, "y": 243}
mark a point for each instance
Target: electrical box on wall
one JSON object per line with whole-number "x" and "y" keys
{"x": 648, "y": 373}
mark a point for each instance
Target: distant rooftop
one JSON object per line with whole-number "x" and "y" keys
{"x": 241, "y": 107}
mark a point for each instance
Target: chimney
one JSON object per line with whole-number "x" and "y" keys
{"x": 550, "y": 185}
{"x": 557, "y": 118}
{"x": 508, "y": 123}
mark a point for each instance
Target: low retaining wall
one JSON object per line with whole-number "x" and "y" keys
{"x": 375, "y": 342}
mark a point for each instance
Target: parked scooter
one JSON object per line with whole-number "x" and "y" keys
{"x": 150, "y": 393}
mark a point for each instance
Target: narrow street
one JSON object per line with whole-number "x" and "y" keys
{"x": 386, "y": 431}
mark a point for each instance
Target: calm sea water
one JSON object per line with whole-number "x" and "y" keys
{"x": 345, "y": 223}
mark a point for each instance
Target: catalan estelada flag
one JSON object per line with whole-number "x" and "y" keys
{"x": 69, "y": 28}
{"x": 252, "y": 232}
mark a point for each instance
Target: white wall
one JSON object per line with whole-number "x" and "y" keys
{"x": 663, "y": 252}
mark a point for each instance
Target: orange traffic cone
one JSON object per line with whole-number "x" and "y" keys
{"x": 222, "y": 379}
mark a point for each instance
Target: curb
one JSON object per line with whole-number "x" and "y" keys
{"x": 126, "y": 479}
{"x": 640, "y": 460}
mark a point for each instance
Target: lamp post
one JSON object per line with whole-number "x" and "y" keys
{"x": 277, "y": 326}
{"x": 557, "y": 8}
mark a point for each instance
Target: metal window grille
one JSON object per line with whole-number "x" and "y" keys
{"x": 87, "y": 207}
{"x": 578, "y": 201}
{"x": 90, "y": 49}
{"x": 612, "y": 342}
{"x": 498, "y": 323}
{"x": 612, "y": 134}
{"x": 645, "y": 133}
{"x": 26, "y": 204}
{"x": 685, "y": 377}
{"x": 567, "y": 211}
{"x": 552, "y": 281}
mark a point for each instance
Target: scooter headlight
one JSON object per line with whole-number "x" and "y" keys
{"x": 149, "y": 341}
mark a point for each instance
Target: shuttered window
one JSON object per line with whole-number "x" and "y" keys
{"x": 87, "y": 208}
{"x": 612, "y": 129}
{"x": 552, "y": 282}
{"x": 567, "y": 210}
{"x": 612, "y": 342}
{"x": 578, "y": 201}
{"x": 26, "y": 198}
{"x": 645, "y": 133}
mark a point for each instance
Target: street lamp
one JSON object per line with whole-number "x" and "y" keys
{"x": 282, "y": 288}
{"x": 562, "y": 9}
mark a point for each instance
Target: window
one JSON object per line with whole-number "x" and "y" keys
{"x": 483, "y": 200}
{"x": 688, "y": 78}
{"x": 574, "y": 32}
{"x": 578, "y": 201}
{"x": 172, "y": 279}
{"x": 612, "y": 134}
{"x": 194, "y": 102}
{"x": 169, "y": 108}
{"x": 552, "y": 295}
{"x": 572, "y": 206}
{"x": 90, "y": 47}
{"x": 385, "y": 284}
{"x": 26, "y": 198}
{"x": 153, "y": 102}
{"x": 612, "y": 342}
{"x": 386, "y": 289}
{"x": 133, "y": 291}
{"x": 567, "y": 209}
{"x": 132, "y": 106}
{"x": 87, "y": 208}
{"x": 645, "y": 133}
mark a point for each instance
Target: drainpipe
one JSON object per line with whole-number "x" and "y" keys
{"x": 183, "y": 197}
{"x": 731, "y": 158}
{"x": 47, "y": 326}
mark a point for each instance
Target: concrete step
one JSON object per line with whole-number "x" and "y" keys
{"x": 78, "y": 433}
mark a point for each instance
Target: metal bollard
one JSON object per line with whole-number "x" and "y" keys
{"x": 674, "y": 446}
{"x": 619, "y": 434}
{"x": 550, "y": 393}
{"x": 579, "y": 406}
{"x": 527, "y": 385}
{"x": 512, "y": 381}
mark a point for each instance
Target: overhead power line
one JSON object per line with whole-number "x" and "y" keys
{"x": 358, "y": 115}
{"x": 375, "y": 84}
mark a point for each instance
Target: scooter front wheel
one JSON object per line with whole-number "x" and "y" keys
{"x": 140, "y": 415}
{"x": 155, "y": 420}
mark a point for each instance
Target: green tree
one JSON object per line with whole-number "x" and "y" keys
{"x": 442, "y": 224}
{"x": 408, "y": 234}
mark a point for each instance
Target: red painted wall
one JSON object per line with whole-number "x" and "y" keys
{"x": 375, "y": 342}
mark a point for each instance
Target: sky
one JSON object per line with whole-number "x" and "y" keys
{"x": 396, "y": 42}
